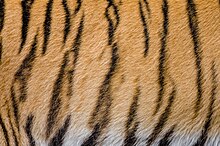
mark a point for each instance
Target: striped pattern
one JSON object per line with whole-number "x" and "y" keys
{"x": 193, "y": 24}
{"x": 61, "y": 112}
{"x": 26, "y": 8}
{"x": 2, "y": 15}
{"x": 100, "y": 116}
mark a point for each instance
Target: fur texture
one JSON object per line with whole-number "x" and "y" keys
{"x": 110, "y": 72}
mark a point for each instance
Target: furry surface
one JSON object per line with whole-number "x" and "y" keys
{"x": 110, "y": 72}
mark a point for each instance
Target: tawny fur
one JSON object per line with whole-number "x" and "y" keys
{"x": 133, "y": 71}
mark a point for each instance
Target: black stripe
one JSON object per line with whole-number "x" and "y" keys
{"x": 193, "y": 24}
{"x": 162, "y": 57}
{"x": 55, "y": 102}
{"x": 15, "y": 107}
{"x": 77, "y": 40}
{"x": 24, "y": 72}
{"x": 47, "y": 25}
{"x": 28, "y": 129}
{"x": 20, "y": 79}
{"x": 5, "y": 132}
{"x": 79, "y": 3}
{"x": 132, "y": 124}
{"x": 13, "y": 131}
{"x": 163, "y": 119}
{"x": 14, "y": 135}
{"x": 67, "y": 20}
{"x": 1, "y": 49}
{"x": 133, "y": 109}
{"x": 2, "y": 17}
{"x": 91, "y": 140}
{"x": 131, "y": 139}
{"x": 165, "y": 141}
{"x": 147, "y": 7}
{"x": 75, "y": 50}
{"x": 2, "y": 14}
{"x": 104, "y": 102}
{"x": 146, "y": 33}
{"x": 100, "y": 116}
{"x": 111, "y": 27}
{"x": 203, "y": 138}
{"x": 26, "y": 7}
{"x": 57, "y": 140}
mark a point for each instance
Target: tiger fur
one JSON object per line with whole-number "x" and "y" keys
{"x": 109, "y": 73}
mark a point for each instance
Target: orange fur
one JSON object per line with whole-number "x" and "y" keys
{"x": 133, "y": 70}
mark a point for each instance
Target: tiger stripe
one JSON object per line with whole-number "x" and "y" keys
{"x": 28, "y": 130}
{"x": 144, "y": 23}
{"x": 13, "y": 131}
{"x": 2, "y": 16}
{"x": 131, "y": 138}
{"x": 67, "y": 20}
{"x": 79, "y": 3}
{"x": 5, "y": 132}
{"x": 15, "y": 107}
{"x": 24, "y": 72}
{"x": 91, "y": 140}
{"x": 193, "y": 24}
{"x": 147, "y": 7}
{"x": 162, "y": 58}
{"x": 26, "y": 8}
{"x": 69, "y": 95}
{"x": 47, "y": 25}
{"x": 163, "y": 118}
{"x": 132, "y": 123}
{"x": 165, "y": 141}
{"x": 105, "y": 100}
{"x": 55, "y": 102}
{"x": 204, "y": 135}
{"x": 111, "y": 27}
{"x": 59, "y": 136}
{"x": 20, "y": 81}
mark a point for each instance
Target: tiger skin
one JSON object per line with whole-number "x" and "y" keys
{"x": 109, "y": 73}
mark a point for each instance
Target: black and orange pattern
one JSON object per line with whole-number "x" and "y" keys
{"x": 109, "y": 72}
